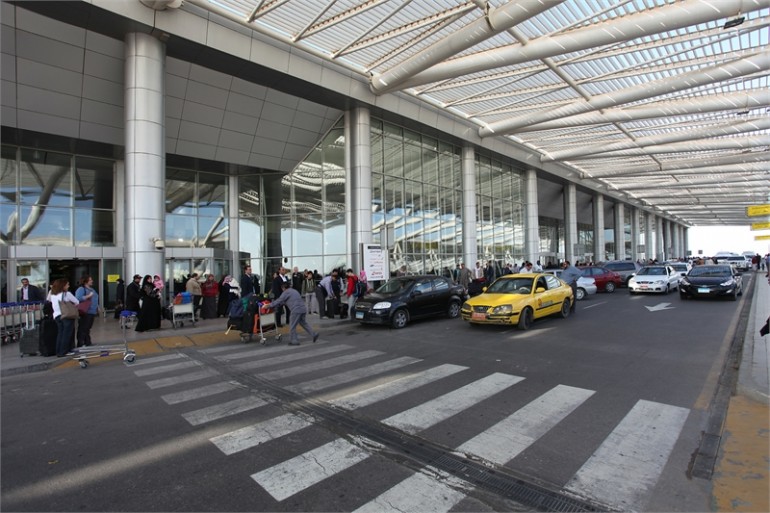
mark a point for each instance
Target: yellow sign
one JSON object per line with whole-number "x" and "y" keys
{"x": 758, "y": 210}
{"x": 762, "y": 237}
{"x": 760, "y": 226}
{"x": 112, "y": 278}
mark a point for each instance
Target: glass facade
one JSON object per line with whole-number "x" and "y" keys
{"x": 196, "y": 209}
{"x": 56, "y": 199}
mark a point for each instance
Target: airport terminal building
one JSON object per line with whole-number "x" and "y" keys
{"x": 152, "y": 138}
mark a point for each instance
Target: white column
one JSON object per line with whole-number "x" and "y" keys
{"x": 470, "y": 244}
{"x": 634, "y": 233}
{"x": 532, "y": 237}
{"x": 570, "y": 223}
{"x": 234, "y": 235}
{"x": 660, "y": 251}
{"x": 598, "y": 215}
{"x": 145, "y": 154}
{"x": 619, "y": 232}
{"x": 649, "y": 237}
{"x": 685, "y": 241}
{"x": 359, "y": 181}
{"x": 676, "y": 250}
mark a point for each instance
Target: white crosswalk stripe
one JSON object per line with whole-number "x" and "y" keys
{"x": 251, "y": 436}
{"x": 184, "y": 378}
{"x": 197, "y": 393}
{"x": 291, "y": 357}
{"x": 506, "y": 439}
{"x": 432, "y": 412}
{"x": 346, "y": 377}
{"x": 158, "y": 359}
{"x": 167, "y": 368}
{"x": 220, "y": 411}
{"x": 294, "y": 475}
{"x": 418, "y": 492}
{"x": 384, "y": 391}
{"x": 253, "y": 352}
{"x": 320, "y": 365}
{"x": 625, "y": 468}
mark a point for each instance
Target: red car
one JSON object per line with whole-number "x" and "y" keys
{"x": 606, "y": 280}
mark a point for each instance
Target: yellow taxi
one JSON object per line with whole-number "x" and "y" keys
{"x": 519, "y": 299}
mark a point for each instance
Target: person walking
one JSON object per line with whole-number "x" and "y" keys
{"x": 66, "y": 327}
{"x": 193, "y": 286}
{"x": 291, "y": 299}
{"x": 464, "y": 277}
{"x": 134, "y": 294}
{"x": 86, "y": 320}
{"x": 351, "y": 292}
{"x": 29, "y": 292}
{"x": 308, "y": 292}
{"x": 277, "y": 289}
{"x": 570, "y": 275}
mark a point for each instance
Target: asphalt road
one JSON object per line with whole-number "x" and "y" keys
{"x": 600, "y": 410}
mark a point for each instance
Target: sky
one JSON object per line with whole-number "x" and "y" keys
{"x": 712, "y": 239}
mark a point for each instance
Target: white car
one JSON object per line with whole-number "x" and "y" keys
{"x": 585, "y": 286}
{"x": 681, "y": 267}
{"x": 654, "y": 278}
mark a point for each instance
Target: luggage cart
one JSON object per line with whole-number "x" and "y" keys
{"x": 83, "y": 354}
{"x": 181, "y": 313}
{"x": 267, "y": 325}
{"x": 11, "y": 322}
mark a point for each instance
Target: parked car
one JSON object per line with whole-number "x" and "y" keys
{"x": 719, "y": 280}
{"x": 519, "y": 299}
{"x": 654, "y": 278}
{"x": 737, "y": 262}
{"x": 403, "y": 299}
{"x": 681, "y": 267}
{"x": 585, "y": 286}
{"x": 625, "y": 268}
{"x": 606, "y": 280}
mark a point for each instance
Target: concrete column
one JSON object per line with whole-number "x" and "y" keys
{"x": 676, "y": 250}
{"x": 470, "y": 245}
{"x": 145, "y": 165}
{"x": 359, "y": 182}
{"x": 570, "y": 222}
{"x": 649, "y": 238}
{"x": 233, "y": 229}
{"x": 532, "y": 237}
{"x": 685, "y": 241}
{"x": 634, "y": 233}
{"x": 619, "y": 232}
{"x": 598, "y": 216}
{"x": 660, "y": 252}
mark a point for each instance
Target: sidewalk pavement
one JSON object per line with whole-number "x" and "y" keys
{"x": 107, "y": 332}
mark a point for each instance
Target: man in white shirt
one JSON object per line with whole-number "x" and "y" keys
{"x": 478, "y": 272}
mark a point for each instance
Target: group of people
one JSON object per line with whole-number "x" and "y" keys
{"x": 71, "y": 332}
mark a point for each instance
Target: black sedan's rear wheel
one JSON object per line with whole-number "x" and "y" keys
{"x": 526, "y": 319}
{"x": 454, "y": 309}
{"x": 400, "y": 318}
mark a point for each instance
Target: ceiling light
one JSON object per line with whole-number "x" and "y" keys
{"x": 734, "y": 22}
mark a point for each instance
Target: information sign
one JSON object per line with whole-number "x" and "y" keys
{"x": 375, "y": 262}
{"x": 758, "y": 210}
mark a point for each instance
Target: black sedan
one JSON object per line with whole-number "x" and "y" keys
{"x": 406, "y": 298}
{"x": 711, "y": 281}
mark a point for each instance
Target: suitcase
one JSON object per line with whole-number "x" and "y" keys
{"x": 29, "y": 342}
{"x": 48, "y": 333}
{"x": 331, "y": 307}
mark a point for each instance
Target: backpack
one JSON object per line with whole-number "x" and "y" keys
{"x": 360, "y": 288}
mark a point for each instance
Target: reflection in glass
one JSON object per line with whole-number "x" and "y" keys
{"x": 47, "y": 226}
{"x": 94, "y": 227}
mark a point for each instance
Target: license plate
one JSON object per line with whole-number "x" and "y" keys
{"x": 643, "y": 287}
{"x": 703, "y": 290}
{"x": 359, "y": 315}
{"x": 479, "y": 316}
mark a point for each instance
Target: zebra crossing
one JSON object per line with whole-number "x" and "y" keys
{"x": 621, "y": 472}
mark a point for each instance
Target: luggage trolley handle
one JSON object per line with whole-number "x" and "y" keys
{"x": 127, "y": 318}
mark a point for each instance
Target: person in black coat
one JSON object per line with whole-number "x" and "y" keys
{"x": 150, "y": 314}
{"x": 120, "y": 297}
{"x": 133, "y": 294}
{"x": 29, "y": 292}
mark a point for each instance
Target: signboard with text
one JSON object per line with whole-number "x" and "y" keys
{"x": 758, "y": 210}
{"x": 375, "y": 262}
{"x": 760, "y": 226}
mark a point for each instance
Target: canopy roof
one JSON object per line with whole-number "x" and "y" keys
{"x": 665, "y": 102}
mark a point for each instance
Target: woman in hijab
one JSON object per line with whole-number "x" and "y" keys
{"x": 223, "y": 303}
{"x": 149, "y": 313}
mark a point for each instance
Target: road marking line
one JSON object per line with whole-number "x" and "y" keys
{"x": 624, "y": 469}
{"x": 158, "y": 359}
{"x": 294, "y": 475}
{"x": 197, "y": 393}
{"x": 251, "y": 436}
{"x": 355, "y": 374}
{"x": 432, "y": 412}
{"x": 323, "y": 364}
{"x": 252, "y": 352}
{"x": 593, "y": 305}
{"x": 509, "y": 437}
{"x": 184, "y": 378}
{"x": 393, "y": 388}
{"x": 293, "y": 356}
{"x": 222, "y": 410}
{"x": 167, "y": 368}
{"x": 418, "y": 492}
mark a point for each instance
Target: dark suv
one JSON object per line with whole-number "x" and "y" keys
{"x": 410, "y": 297}
{"x": 625, "y": 268}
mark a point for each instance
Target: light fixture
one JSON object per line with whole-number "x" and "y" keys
{"x": 734, "y": 22}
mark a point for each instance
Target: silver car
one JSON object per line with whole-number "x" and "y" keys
{"x": 585, "y": 286}
{"x": 654, "y": 278}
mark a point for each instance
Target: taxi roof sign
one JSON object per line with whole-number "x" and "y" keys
{"x": 758, "y": 210}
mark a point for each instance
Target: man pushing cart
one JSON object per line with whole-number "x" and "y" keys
{"x": 291, "y": 298}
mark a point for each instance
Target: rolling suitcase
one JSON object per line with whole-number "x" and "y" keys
{"x": 29, "y": 342}
{"x": 48, "y": 333}
{"x": 331, "y": 307}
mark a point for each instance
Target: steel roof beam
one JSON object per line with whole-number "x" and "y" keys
{"x": 495, "y": 22}
{"x": 682, "y": 82}
{"x": 722, "y": 143}
{"x": 726, "y": 169}
{"x": 673, "y": 165}
{"x": 644, "y": 23}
